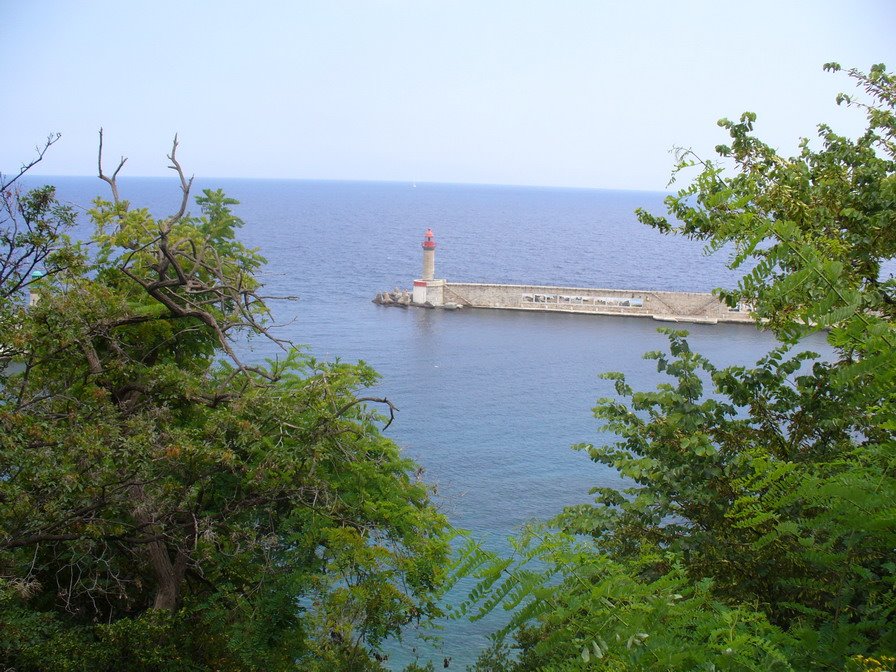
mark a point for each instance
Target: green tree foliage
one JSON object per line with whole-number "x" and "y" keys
{"x": 32, "y": 239}
{"x": 758, "y": 528}
{"x": 165, "y": 505}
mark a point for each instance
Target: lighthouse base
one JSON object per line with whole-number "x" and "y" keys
{"x": 429, "y": 291}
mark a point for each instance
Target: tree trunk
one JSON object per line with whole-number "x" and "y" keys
{"x": 168, "y": 575}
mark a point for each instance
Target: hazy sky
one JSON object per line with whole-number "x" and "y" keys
{"x": 576, "y": 93}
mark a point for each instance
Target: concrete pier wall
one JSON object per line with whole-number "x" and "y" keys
{"x": 666, "y": 306}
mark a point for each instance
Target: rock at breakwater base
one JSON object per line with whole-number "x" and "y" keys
{"x": 400, "y": 298}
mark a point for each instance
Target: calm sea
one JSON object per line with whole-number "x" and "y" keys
{"x": 489, "y": 401}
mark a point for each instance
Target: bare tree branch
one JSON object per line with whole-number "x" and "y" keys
{"x": 185, "y": 186}
{"x": 93, "y": 359}
{"x": 52, "y": 138}
{"x": 39, "y": 539}
{"x": 360, "y": 400}
{"x": 111, "y": 181}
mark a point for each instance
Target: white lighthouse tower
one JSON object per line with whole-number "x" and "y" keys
{"x": 427, "y": 289}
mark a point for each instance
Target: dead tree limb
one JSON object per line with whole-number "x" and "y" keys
{"x": 52, "y": 138}
{"x": 185, "y": 186}
{"x": 111, "y": 181}
{"x": 361, "y": 400}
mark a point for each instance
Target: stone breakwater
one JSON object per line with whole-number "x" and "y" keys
{"x": 696, "y": 307}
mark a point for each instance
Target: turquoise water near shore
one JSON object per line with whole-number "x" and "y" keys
{"x": 489, "y": 401}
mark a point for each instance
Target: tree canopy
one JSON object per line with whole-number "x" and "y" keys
{"x": 164, "y": 504}
{"x": 758, "y": 529}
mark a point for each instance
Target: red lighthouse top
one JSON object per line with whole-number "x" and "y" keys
{"x": 429, "y": 242}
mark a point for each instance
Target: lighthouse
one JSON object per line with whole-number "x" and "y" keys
{"x": 427, "y": 289}
{"x": 429, "y": 255}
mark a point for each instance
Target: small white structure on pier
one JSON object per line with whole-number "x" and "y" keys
{"x": 33, "y": 294}
{"x": 427, "y": 289}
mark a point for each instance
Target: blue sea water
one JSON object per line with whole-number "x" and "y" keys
{"x": 490, "y": 401}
